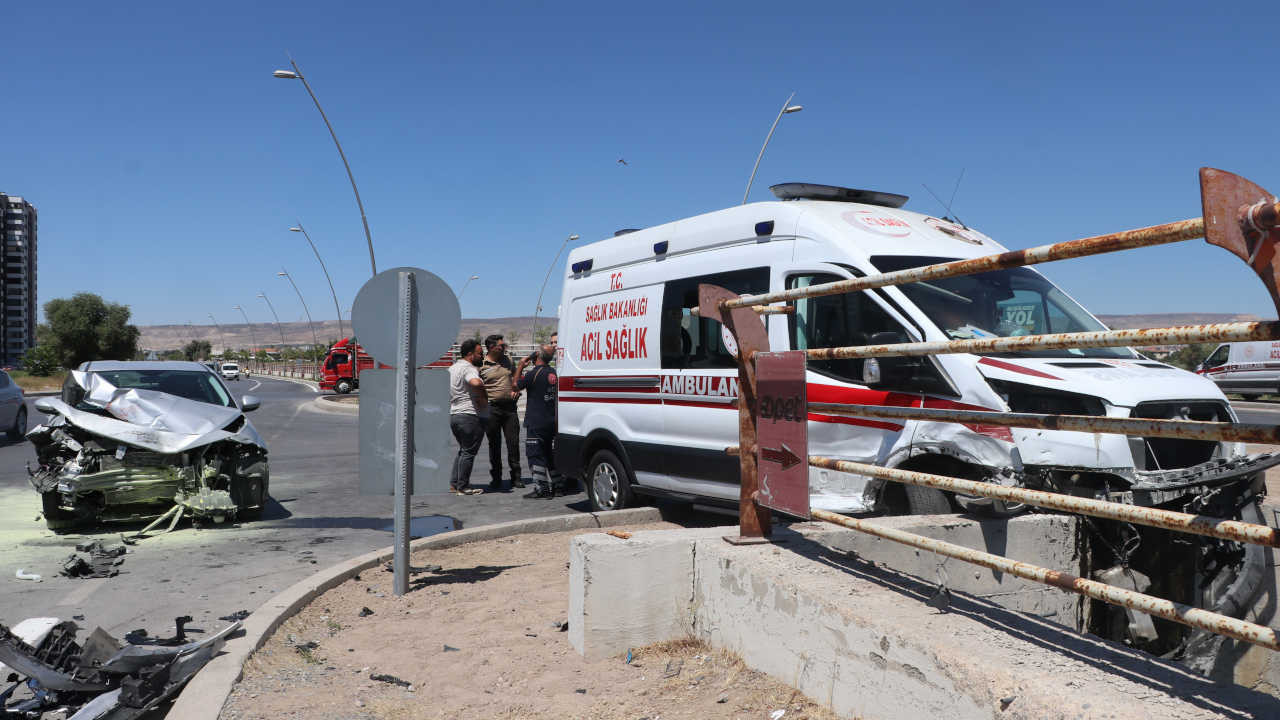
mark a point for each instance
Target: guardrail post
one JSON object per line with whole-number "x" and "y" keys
{"x": 755, "y": 522}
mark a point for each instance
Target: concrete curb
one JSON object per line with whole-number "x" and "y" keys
{"x": 324, "y": 404}
{"x": 204, "y": 696}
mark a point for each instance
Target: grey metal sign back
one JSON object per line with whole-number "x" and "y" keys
{"x": 403, "y": 316}
{"x": 373, "y": 315}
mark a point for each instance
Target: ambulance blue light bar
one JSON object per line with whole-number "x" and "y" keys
{"x": 581, "y": 266}
{"x": 764, "y": 229}
{"x": 660, "y": 248}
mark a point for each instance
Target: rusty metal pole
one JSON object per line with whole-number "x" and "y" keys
{"x": 1176, "y": 612}
{"x": 755, "y": 522}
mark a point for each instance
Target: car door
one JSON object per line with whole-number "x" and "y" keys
{"x": 10, "y": 400}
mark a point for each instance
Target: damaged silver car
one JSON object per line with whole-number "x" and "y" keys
{"x": 132, "y": 441}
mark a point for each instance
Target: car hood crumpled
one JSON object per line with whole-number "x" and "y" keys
{"x": 150, "y": 419}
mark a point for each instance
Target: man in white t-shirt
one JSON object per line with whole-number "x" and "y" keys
{"x": 468, "y": 411}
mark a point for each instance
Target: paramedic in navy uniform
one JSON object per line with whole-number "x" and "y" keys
{"x": 540, "y": 423}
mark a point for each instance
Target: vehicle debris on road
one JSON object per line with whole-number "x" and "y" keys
{"x": 101, "y": 678}
{"x": 130, "y": 441}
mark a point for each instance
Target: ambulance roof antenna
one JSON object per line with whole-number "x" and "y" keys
{"x": 950, "y": 213}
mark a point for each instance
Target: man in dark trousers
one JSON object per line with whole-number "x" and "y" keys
{"x": 468, "y": 412}
{"x": 500, "y": 387}
{"x": 540, "y": 423}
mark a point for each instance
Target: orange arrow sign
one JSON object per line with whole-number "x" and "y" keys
{"x": 783, "y": 457}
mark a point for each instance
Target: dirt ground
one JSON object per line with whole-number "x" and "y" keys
{"x": 480, "y": 638}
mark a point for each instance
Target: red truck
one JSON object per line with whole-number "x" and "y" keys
{"x": 338, "y": 372}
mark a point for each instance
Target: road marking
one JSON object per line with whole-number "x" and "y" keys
{"x": 288, "y": 423}
{"x": 255, "y": 386}
{"x": 82, "y": 593}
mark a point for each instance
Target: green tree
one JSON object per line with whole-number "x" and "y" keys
{"x": 85, "y": 327}
{"x": 197, "y": 350}
{"x": 41, "y": 360}
{"x": 1188, "y": 357}
{"x": 542, "y": 334}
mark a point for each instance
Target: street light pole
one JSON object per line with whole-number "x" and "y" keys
{"x": 279, "y": 327}
{"x": 336, "y": 307}
{"x": 296, "y": 74}
{"x": 220, "y": 333}
{"x": 315, "y": 342}
{"x": 464, "y": 286}
{"x": 538, "y": 309}
{"x": 252, "y": 339}
{"x": 787, "y": 107}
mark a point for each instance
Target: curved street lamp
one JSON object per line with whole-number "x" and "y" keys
{"x": 538, "y": 309}
{"x": 315, "y": 342}
{"x": 296, "y": 74}
{"x": 464, "y": 286}
{"x": 279, "y": 327}
{"x": 222, "y": 336}
{"x": 252, "y": 339}
{"x": 299, "y": 229}
{"x": 787, "y": 108}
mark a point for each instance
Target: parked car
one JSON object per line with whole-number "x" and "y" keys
{"x": 127, "y": 441}
{"x": 1251, "y": 369}
{"x": 13, "y": 408}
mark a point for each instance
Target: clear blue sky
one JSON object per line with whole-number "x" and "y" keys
{"x": 167, "y": 164}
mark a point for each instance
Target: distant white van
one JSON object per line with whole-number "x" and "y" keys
{"x": 1251, "y": 369}
{"x": 647, "y": 390}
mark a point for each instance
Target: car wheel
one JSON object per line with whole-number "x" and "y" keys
{"x": 250, "y": 489}
{"x": 19, "y": 429}
{"x": 927, "y": 501}
{"x": 343, "y": 387}
{"x": 1249, "y": 398}
{"x": 608, "y": 482}
{"x": 55, "y": 518}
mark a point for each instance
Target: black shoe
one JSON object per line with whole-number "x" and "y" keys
{"x": 495, "y": 486}
{"x": 518, "y": 483}
{"x": 538, "y": 493}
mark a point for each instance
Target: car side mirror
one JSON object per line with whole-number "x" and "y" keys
{"x": 249, "y": 403}
{"x": 889, "y": 372}
{"x": 45, "y": 405}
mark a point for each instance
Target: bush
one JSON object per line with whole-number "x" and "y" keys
{"x": 41, "y": 360}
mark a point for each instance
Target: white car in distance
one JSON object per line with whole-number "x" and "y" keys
{"x": 230, "y": 371}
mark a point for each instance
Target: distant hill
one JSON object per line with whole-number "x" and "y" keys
{"x": 1128, "y": 322}
{"x": 519, "y": 329}
{"x": 238, "y": 335}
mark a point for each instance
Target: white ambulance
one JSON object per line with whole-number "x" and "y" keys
{"x": 1251, "y": 369}
{"x": 647, "y": 390}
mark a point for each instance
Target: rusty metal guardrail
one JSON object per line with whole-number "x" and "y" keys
{"x": 1237, "y": 215}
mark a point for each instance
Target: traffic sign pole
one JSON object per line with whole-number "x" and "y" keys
{"x": 406, "y": 361}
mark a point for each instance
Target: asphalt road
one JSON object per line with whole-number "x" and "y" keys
{"x": 315, "y": 518}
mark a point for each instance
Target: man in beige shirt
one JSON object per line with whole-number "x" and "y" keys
{"x": 498, "y": 375}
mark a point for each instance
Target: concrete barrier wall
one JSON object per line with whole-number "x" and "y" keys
{"x": 856, "y": 632}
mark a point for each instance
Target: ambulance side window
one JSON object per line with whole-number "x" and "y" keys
{"x": 1219, "y": 357}
{"x": 690, "y": 342}
{"x": 848, "y": 319}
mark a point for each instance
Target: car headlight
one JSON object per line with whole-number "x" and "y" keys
{"x": 1032, "y": 399}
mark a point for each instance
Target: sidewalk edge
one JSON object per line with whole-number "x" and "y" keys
{"x": 204, "y": 697}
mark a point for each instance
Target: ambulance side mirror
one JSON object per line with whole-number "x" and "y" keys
{"x": 890, "y": 372}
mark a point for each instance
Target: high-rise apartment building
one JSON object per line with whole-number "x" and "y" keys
{"x": 18, "y": 280}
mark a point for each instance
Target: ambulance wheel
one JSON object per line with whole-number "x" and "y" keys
{"x": 343, "y": 387}
{"x": 607, "y": 482}
{"x": 927, "y": 501}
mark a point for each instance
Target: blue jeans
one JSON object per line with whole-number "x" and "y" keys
{"x": 468, "y": 430}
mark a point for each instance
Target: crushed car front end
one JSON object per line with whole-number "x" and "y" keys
{"x": 170, "y": 436}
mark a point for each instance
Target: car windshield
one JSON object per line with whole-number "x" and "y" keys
{"x": 231, "y": 366}
{"x": 1000, "y": 303}
{"x": 197, "y": 385}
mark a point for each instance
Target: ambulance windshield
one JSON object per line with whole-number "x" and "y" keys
{"x": 1000, "y": 303}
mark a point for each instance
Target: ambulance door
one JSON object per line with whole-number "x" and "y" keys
{"x": 699, "y": 386}
{"x": 837, "y": 321}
